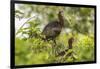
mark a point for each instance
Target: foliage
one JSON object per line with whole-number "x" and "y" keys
{"x": 30, "y": 48}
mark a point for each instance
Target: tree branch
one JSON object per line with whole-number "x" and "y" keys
{"x": 23, "y": 25}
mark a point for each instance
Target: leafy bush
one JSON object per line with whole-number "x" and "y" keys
{"x": 37, "y": 51}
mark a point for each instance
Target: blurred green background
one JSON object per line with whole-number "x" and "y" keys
{"x": 30, "y": 19}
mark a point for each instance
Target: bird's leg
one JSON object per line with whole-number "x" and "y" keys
{"x": 54, "y": 42}
{"x": 54, "y": 47}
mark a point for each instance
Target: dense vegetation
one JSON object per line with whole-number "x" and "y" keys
{"x": 31, "y": 49}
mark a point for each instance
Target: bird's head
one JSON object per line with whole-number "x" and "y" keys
{"x": 71, "y": 40}
{"x": 61, "y": 14}
{"x": 61, "y": 17}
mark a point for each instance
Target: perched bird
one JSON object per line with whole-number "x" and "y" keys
{"x": 53, "y": 29}
{"x": 70, "y": 42}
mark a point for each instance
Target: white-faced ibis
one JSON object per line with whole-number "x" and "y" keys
{"x": 70, "y": 42}
{"x": 53, "y": 29}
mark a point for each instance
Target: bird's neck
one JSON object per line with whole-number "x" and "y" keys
{"x": 70, "y": 46}
{"x": 61, "y": 20}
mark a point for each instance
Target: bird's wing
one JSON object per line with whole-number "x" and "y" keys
{"x": 52, "y": 29}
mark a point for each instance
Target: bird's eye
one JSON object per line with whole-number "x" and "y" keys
{"x": 61, "y": 12}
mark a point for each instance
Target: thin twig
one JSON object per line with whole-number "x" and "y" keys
{"x": 23, "y": 25}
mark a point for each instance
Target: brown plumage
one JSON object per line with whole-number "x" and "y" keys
{"x": 53, "y": 29}
{"x": 70, "y": 42}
